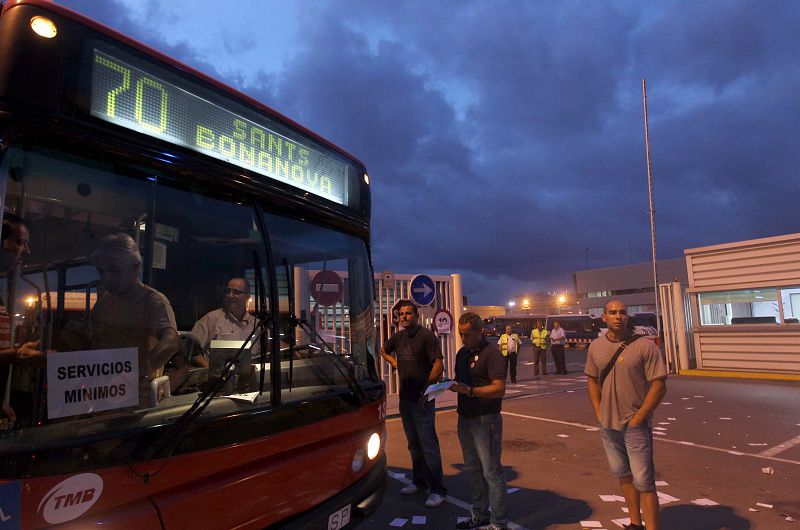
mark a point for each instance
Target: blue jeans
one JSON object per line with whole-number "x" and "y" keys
{"x": 630, "y": 454}
{"x": 419, "y": 424}
{"x": 482, "y": 443}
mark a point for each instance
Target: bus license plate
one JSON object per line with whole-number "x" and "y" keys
{"x": 339, "y": 518}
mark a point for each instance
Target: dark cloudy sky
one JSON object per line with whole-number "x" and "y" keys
{"x": 503, "y": 138}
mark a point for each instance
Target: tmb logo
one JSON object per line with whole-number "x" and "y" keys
{"x": 71, "y": 498}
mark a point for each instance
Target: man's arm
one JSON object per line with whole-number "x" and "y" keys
{"x": 594, "y": 395}
{"x": 389, "y": 358}
{"x": 167, "y": 346}
{"x": 436, "y": 372}
{"x": 496, "y": 389}
{"x": 654, "y": 396}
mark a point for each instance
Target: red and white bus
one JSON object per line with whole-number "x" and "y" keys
{"x": 113, "y": 421}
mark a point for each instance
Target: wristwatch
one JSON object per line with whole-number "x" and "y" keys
{"x": 471, "y": 392}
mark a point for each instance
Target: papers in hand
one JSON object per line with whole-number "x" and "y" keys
{"x": 434, "y": 390}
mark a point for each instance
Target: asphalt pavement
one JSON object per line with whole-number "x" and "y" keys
{"x": 727, "y": 457}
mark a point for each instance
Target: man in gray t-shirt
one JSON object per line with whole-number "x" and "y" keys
{"x": 624, "y": 407}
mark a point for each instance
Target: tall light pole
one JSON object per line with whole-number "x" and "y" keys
{"x": 652, "y": 208}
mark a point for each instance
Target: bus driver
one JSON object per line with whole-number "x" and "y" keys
{"x": 129, "y": 313}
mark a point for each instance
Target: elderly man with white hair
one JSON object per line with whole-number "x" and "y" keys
{"x": 129, "y": 313}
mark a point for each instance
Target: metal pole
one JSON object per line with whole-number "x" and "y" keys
{"x": 652, "y": 209}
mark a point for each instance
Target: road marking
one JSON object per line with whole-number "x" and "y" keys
{"x": 761, "y": 456}
{"x": 781, "y": 447}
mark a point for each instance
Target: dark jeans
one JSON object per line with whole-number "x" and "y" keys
{"x": 557, "y": 351}
{"x": 512, "y": 365}
{"x": 539, "y": 357}
{"x": 482, "y": 443}
{"x": 419, "y": 424}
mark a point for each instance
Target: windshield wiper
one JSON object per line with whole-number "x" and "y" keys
{"x": 292, "y": 321}
{"x": 171, "y": 438}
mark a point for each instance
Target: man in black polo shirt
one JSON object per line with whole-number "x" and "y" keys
{"x": 416, "y": 354}
{"x": 481, "y": 384}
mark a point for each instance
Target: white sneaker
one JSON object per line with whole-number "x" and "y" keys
{"x": 434, "y": 500}
{"x": 410, "y": 489}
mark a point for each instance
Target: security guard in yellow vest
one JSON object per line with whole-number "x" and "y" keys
{"x": 509, "y": 345}
{"x": 539, "y": 338}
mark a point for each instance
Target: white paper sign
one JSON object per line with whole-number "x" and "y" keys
{"x": 79, "y": 382}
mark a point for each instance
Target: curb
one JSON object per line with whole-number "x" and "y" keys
{"x": 740, "y": 375}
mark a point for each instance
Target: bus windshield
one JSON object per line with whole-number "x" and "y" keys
{"x": 125, "y": 292}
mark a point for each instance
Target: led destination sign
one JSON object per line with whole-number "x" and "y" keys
{"x": 134, "y": 98}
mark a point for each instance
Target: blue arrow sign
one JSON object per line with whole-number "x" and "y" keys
{"x": 422, "y": 290}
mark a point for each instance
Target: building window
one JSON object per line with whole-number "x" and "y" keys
{"x": 790, "y": 296}
{"x": 745, "y": 306}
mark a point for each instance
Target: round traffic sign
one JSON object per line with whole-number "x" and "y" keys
{"x": 422, "y": 289}
{"x": 443, "y": 322}
{"x": 327, "y": 287}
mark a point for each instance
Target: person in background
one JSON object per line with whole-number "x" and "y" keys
{"x": 14, "y": 248}
{"x": 539, "y": 339}
{"x": 558, "y": 339}
{"x": 510, "y": 345}
{"x": 627, "y": 381}
{"x": 416, "y": 354}
{"x": 481, "y": 385}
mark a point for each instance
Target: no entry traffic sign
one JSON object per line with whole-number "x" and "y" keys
{"x": 327, "y": 287}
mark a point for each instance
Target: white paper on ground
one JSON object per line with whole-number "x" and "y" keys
{"x": 662, "y": 483}
{"x": 512, "y": 490}
{"x": 419, "y": 519}
{"x": 621, "y": 522}
{"x": 663, "y": 498}
{"x": 591, "y": 524}
{"x": 705, "y": 502}
{"x": 763, "y": 505}
{"x": 398, "y": 522}
{"x": 612, "y": 498}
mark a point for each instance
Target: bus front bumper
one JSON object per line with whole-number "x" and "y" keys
{"x": 364, "y": 497}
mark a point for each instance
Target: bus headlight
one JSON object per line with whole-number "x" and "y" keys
{"x": 373, "y": 446}
{"x": 44, "y": 27}
{"x": 358, "y": 461}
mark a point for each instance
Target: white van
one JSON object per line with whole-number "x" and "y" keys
{"x": 578, "y": 329}
{"x": 641, "y": 323}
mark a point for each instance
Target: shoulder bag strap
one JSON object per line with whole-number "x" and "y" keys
{"x": 610, "y": 365}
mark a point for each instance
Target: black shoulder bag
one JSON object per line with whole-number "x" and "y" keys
{"x": 610, "y": 365}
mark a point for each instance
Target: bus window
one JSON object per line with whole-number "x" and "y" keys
{"x": 107, "y": 344}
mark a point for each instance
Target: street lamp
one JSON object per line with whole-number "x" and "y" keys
{"x": 561, "y": 300}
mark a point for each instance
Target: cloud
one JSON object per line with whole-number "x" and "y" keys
{"x": 504, "y": 139}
